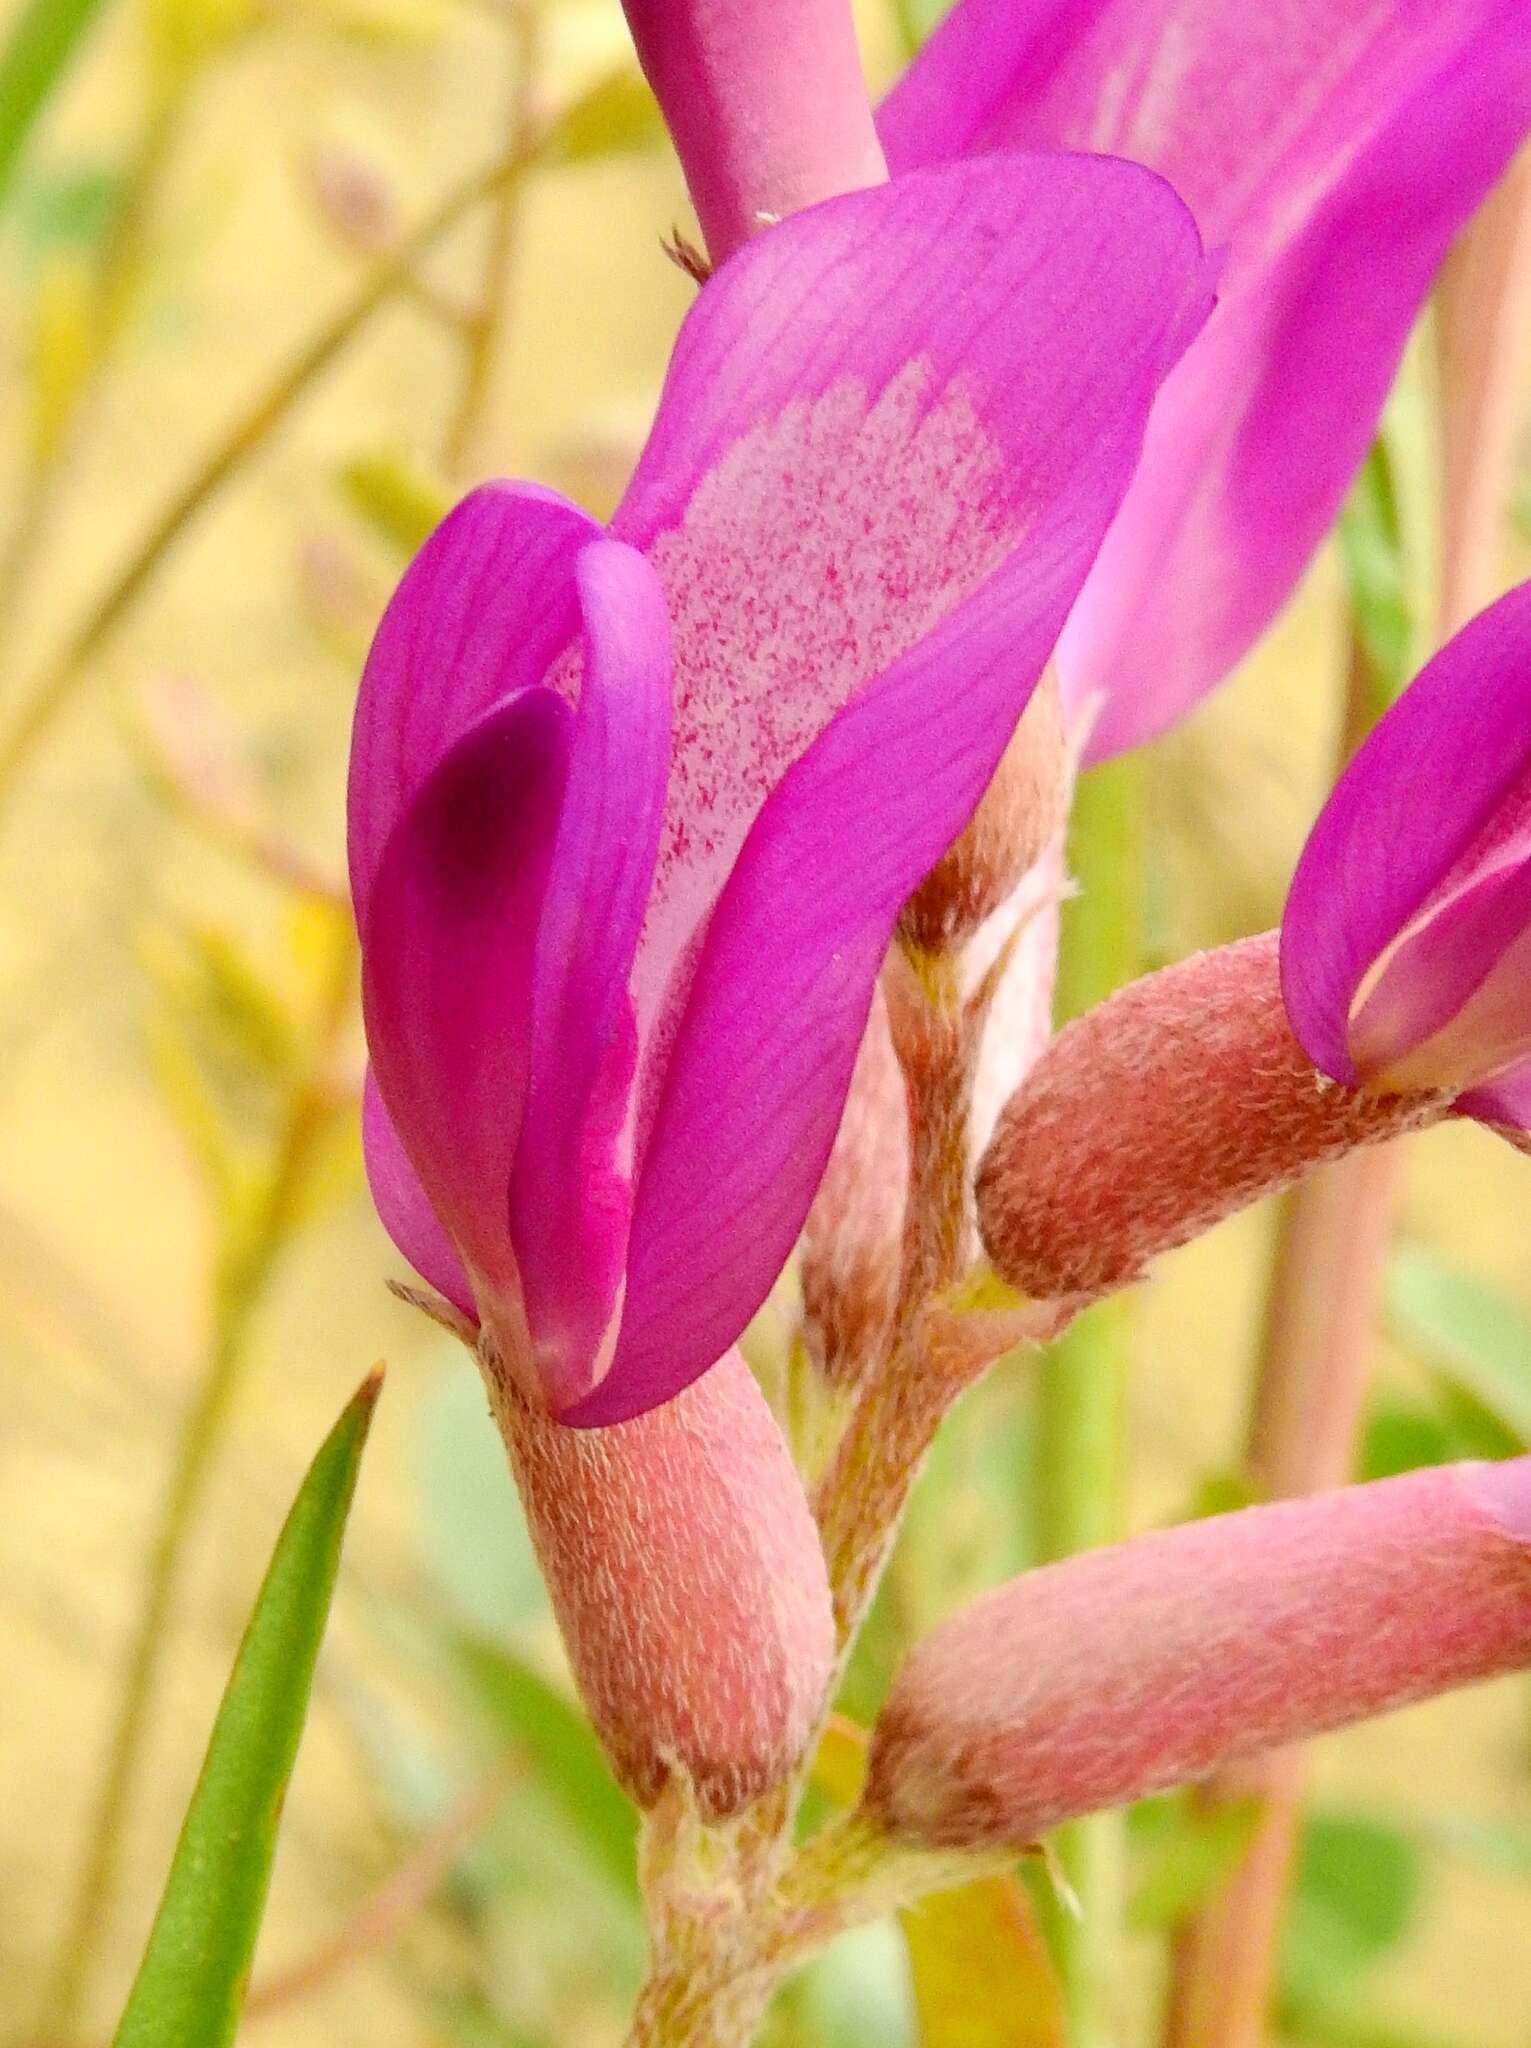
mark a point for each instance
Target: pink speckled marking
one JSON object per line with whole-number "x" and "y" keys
{"x": 820, "y": 548}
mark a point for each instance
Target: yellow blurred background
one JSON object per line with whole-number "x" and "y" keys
{"x": 170, "y": 1035}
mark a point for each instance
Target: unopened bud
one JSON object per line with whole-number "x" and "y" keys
{"x": 686, "y": 1574}
{"x": 1018, "y": 815}
{"x": 1150, "y": 1118}
{"x": 853, "y": 1238}
{"x": 1157, "y": 1662}
{"x": 354, "y": 197}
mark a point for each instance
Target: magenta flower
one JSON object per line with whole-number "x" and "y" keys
{"x": 1406, "y": 945}
{"x": 631, "y": 816}
{"x": 1332, "y": 148}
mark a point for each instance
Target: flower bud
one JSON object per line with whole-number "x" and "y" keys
{"x": 1154, "y": 1663}
{"x": 853, "y": 1238}
{"x": 1018, "y": 816}
{"x": 1406, "y": 940}
{"x": 686, "y": 1574}
{"x": 1147, "y": 1120}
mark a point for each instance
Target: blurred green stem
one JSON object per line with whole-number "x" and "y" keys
{"x": 484, "y": 324}
{"x": 250, "y": 1251}
{"x": 120, "y": 261}
{"x": 56, "y": 688}
{"x": 1080, "y": 1393}
{"x": 45, "y": 37}
{"x": 383, "y": 1914}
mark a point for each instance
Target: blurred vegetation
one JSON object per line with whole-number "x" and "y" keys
{"x": 278, "y": 278}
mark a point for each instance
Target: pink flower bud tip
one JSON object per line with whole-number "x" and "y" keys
{"x": 1157, "y": 1662}
{"x": 1178, "y": 1101}
{"x": 687, "y": 1577}
{"x": 853, "y": 1237}
{"x": 1018, "y": 815}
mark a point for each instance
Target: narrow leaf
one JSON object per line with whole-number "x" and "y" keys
{"x": 1358, "y": 1887}
{"x": 1469, "y": 1332}
{"x": 191, "y": 1984}
{"x": 45, "y": 37}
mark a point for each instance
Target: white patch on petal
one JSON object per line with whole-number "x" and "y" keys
{"x": 821, "y": 547}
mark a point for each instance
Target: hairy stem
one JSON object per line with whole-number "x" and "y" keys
{"x": 246, "y": 1266}
{"x": 903, "y": 1398}
{"x": 1079, "y": 1403}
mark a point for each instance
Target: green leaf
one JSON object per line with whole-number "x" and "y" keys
{"x": 1400, "y": 1438}
{"x": 191, "y": 1984}
{"x": 1342, "y": 2026}
{"x": 1371, "y": 550}
{"x": 1190, "y": 1859}
{"x": 1358, "y": 1885}
{"x": 70, "y": 209}
{"x": 1471, "y": 1335}
{"x": 44, "y": 39}
{"x": 563, "y": 1748}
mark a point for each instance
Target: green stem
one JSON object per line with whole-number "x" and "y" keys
{"x": 120, "y": 260}
{"x": 57, "y": 686}
{"x": 1079, "y": 1402}
{"x": 245, "y": 1267}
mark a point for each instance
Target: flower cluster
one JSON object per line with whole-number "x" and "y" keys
{"x": 638, "y": 812}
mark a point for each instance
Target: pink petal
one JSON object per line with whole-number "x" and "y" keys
{"x": 1431, "y": 787}
{"x": 405, "y": 1207}
{"x": 870, "y": 409}
{"x": 955, "y": 505}
{"x": 571, "y": 1192}
{"x": 480, "y": 613}
{"x": 1505, "y": 1102}
{"x": 1334, "y": 146}
{"x": 447, "y": 970}
{"x": 1156, "y": 1662}
{"x": 1453, "y": 1003}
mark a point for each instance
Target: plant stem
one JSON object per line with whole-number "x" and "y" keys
{"x": 903, "y": 1398}
{"x": 1483, "y": 326}
{"x": 1079, "y": 1401}
{"x": 1335, "y": 1229}
{"x": 246, "y": 1265}
{"x": 57, "y": 686}
{"x": 120, "y": 260}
